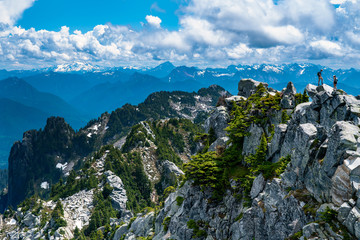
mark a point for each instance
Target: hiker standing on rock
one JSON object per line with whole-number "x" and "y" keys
{"x": 320, "y": 78}
{"x": 335, "y": 82}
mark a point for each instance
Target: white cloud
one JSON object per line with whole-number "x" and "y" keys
{"x": 153, "y": 21}
{"x": 216, "y": 32}
{"x": 284, "y": 34}
{"x": 239, "y": 51}
{"x": 327, "y": 48}
{"x": 11, "y": 10}
{"x": 337, "y": 2}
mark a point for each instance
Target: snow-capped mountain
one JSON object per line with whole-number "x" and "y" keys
{"x": 76, "y": 67}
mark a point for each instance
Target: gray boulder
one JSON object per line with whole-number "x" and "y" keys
{"x": 118, "y": 195}
{"x": 342, "y": 138}
{"x": 142, "y": 226}
{"x": 170, "y": 173}
{"x": 229, "y": 101}
{"x": 343, "y": 212}
{"x": 30, "y": 220}
{"x": 218, "y": 120}
{"x": 289, "y": 90}
{"x": 258, "y": 186}
{"x": 170, "y": 167}
{"x": 288, "y": 97}
{"x": 276, "y": 142}
{"x": 247, "y": 87}
{"x": 341, "y": 190}
{"x": 304, "y": 113}
{"x": 311, "y": 90}
{"x": 352, "y": 218}
{"x": 122, "y": 230}
{"x": 310, "y": 229}
{"x": 252, "y": 142}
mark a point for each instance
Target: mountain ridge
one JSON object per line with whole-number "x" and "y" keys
{"x": 269, "y": 164}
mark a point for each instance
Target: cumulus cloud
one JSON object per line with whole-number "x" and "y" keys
{"x": 153, "y": 21}
{"x": 11, "y": 10}
{"x": 210, "y": 32}
{"x": 325, "y": 48}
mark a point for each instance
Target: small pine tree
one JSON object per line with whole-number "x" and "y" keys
{"x": 305, "y": 97}
{"x": 259, "y": 158}
{"x": 107, "y": 190}
{"x": 261, "y": 151}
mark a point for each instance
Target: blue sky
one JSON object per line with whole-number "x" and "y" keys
{"x": 84, "y": 15}
{"x": 42, "y": 33}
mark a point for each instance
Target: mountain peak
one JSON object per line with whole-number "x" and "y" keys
{"x": 75, "y": 67}
{"x": 161, "y": 70}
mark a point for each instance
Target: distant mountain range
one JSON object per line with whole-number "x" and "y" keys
{"x": 79, "y": 92}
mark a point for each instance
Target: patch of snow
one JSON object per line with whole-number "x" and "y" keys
{"x": 75, "y": 67}
{"x": 61, "y": 166}
{"x": 95, "y": 127}
{"x": 89, "y": 135}
{"x": 45, "y": 185}
{"x": 108, "y": 73}
{"x": 239, "y": 69}
{"x": 272, "y": 69}
{"x": 201, "y": 73}
{"x": 303, "y": 65}
{"x": 302, "y": 71}
{"x": 224, "y": 75}
{"x": 11, "y": 222}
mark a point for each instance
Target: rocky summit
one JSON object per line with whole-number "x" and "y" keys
{"x": 265, "y": 164}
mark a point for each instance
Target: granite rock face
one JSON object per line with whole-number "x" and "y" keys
{"x": 322, "y": 139}
{"x": 218, "y": 121}
{"x": 247, "y": 87}
{"x": 288, "y": 97}
{"x": 118, "y": 194}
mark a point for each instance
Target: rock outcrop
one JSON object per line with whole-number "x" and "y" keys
{"x": 29, "y": 163}
{"x": 118, "y": 194}
{"x": 247, "y": 87}
{"x": 218, "y": 121}
{"x": 315, "y": 196}
{"x": 288, "y": 97}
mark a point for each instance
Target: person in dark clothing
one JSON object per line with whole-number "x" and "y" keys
{"x": 320, "y": 78}
{"x": 335, "y": 82}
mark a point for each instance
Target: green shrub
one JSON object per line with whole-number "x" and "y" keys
{"x": 198, "y": 228}
{"x": 296, "y": 236}
{"x": 301, "y": 98}
{"x": 166, "y": 223}
{"x": 167, "y": 191}
{"x": 107, "y": 190}
{"x": 101, "y": 214}
{"x": 284, "y": 116}
{"x": 328, "y": 215}
{"x": 179, "y": 200}
{"x": 204, "y": 169}
{"x": 57, "y": 216}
